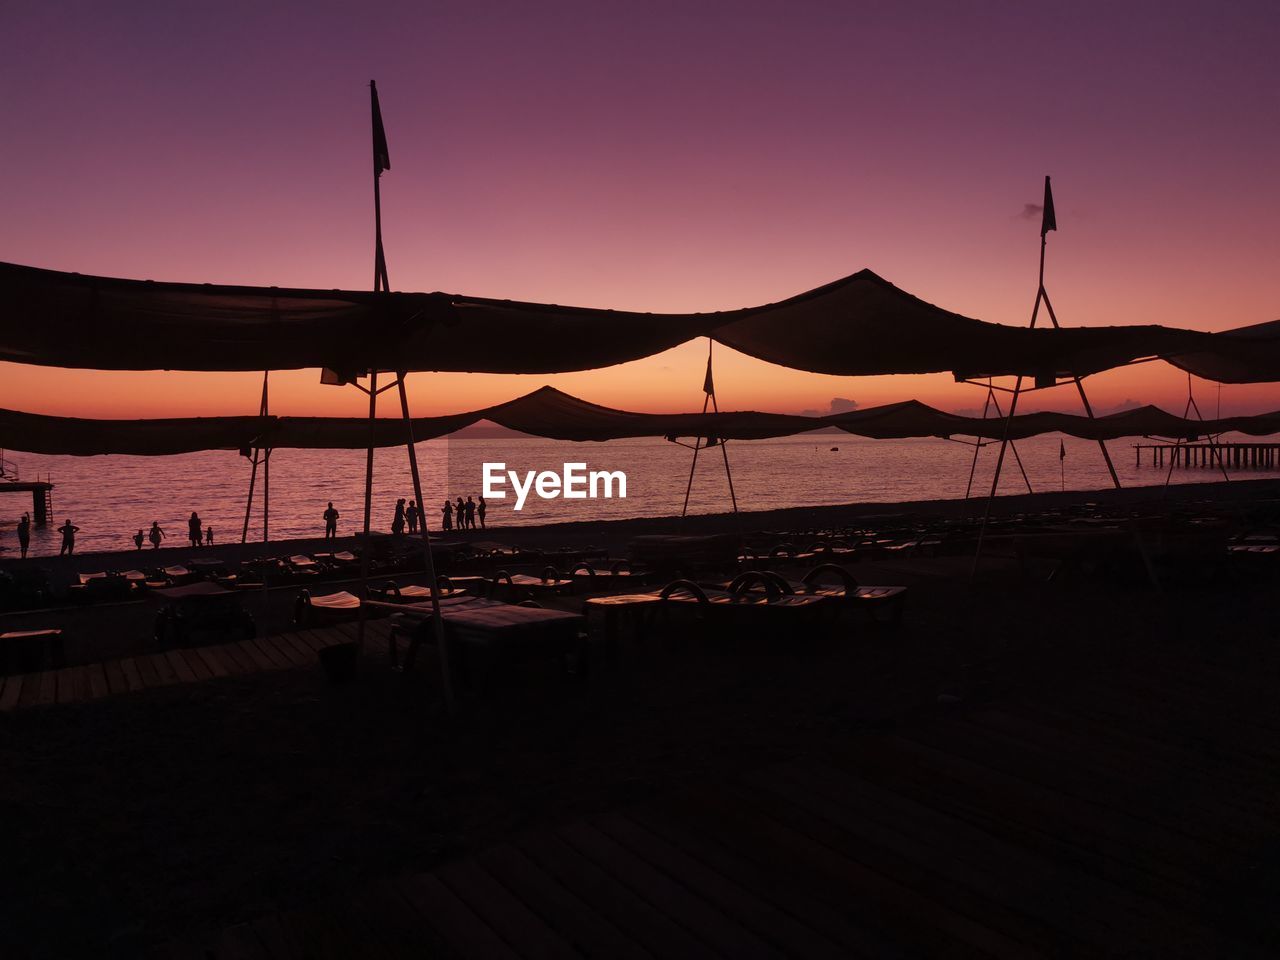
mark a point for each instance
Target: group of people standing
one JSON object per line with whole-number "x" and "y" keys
{"x": 197, "y": 534}
{"x": 463, "y": 514}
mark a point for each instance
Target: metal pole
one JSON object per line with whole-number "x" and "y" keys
{"x": 266, "y": 474}
{"x": 429, "y": 562}
{"x": 367, "y": 549}
{"x": 697, "y": 445}
{"x": 724, "y": 449}
{"x": 1017, "y": 458}
{"x": 978, "y": 446}
{"x": 1102, "y": 444}
{"x": 257, "y": 450}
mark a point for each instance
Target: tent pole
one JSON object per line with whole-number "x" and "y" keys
{"x": 1215, "y": 448}
{"x": 1017, "y": 458}
{"x": 266, "y": 469}
{"x": 367, "y": 547}
{"x": 429, "y": 562}
{"x": 724, "y": 449}
{"x": 978, "y": 446}
{"x": 697, "y": 445}
{"x": 1084, "y": 399}
{"x": 257, "y": 450}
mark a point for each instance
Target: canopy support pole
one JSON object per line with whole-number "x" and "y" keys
{"x": 367, "y": 538}
{"x": 993, "y": 401}
{"x": 709, "y": 398}
{"x": 1215, "y": 449}
{"x": 429, "y": 562}
{"x": 1042, "y": 295}
{"x": 253, "y": 475}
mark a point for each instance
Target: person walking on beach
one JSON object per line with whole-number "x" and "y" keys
{"x": 208, "y": 536}
{"x": 138, "y": 539}
{"x": 330, "y": 522}
{"x": 68, "y": 531}
{"x": 471, "y": 514}
{"x": 156, "y": 535}
{"x": 195, "y": 529}
{"x": 397, "y": 521}
{"x": 24, "y": 534}
{"x": 447, "y": 522}
{"x": 412, "y": 516}
{"x": 460, "y": 512}
{"x": 480, "y": 509}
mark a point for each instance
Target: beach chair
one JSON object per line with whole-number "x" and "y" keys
{"x": 391, "y": 592}
{"x": 879, "y": 604}
{"x": 324, "y": 609}
{"x": 618, "y": 573}
{"x": 525, "y": 586}
{"x": 201, "y": 607}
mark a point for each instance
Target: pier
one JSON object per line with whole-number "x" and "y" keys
{"x": 41, "y": 497}
{"x": 1238, "y": 456}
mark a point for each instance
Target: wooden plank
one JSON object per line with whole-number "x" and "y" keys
{"x": 97, "y": 681}
{"x": 453, "y": 920}
{"x": 235, "y": 656}
{"x": 47, "y": 689}
{"x": 402, "y": 925}
{"x": 508, "y": 916}
{"x": 560, "y": 909}
{"x": 658, "y": 933}
{"x": 195, "y": 663}
{"x": 12, "y": 692}
{"x": 116, "y": 682}
{"x": 666, "y": 894}
{"x": 277, "y": 938}
{"x": 132, "y": 676}
{"x": 212, "y": 660}
{"x": 255, "y": 655}
{"x": 302, "y": 653}
{"x": 312, "y": 640}
{"x": 66, "y": 692}
{"x": 272, "y": 657}
{"x": 284, "y": 650}
{"x": 149, "y": 669}
{"x": 180, "y": 667}
{"x": 733, "y": 899}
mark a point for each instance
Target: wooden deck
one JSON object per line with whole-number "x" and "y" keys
{"x": 177, "y": 665}
{"x": 1132, "y": 814}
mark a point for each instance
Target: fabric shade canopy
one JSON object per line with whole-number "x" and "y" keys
{"x": 550, "y": 413}
{"x": 861, "y": 325}
{"x": 1243, "y": 355}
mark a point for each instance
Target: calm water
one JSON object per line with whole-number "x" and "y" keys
{"x": 111, "y": 497}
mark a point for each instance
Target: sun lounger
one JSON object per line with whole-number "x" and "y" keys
{"x": 391, "y": 592}
{"x": 617, "y": 573}
{"x": 527, "y": 586}
{"x": 883, "y": 604}
{"x": 325, "y": 609}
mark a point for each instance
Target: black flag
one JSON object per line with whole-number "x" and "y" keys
{"x": 381, "y": 156}
{"x": 1062, "y": 450}
{"x": 708, "y": 385}
{"x": 1048, "y": 221}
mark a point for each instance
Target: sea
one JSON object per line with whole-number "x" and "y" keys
{"x": 111, "y": 497}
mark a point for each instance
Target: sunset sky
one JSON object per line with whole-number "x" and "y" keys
{"x": 651, "y": 156}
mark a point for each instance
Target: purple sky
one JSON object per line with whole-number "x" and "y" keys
{"x": 653, "y": 156}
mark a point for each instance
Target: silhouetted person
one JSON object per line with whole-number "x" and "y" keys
{"x": 447, "y": 511}
{"x": 471, "y": 514}
{"x": 24, "y": 534}
{"x": 412, "y": 516}
{"x": 195, "y": 529}
{"x": 460, "y": 514}
{"x": 68, "y": 531}
{"x": 480, "y": 509}
{"x": 138, "y": 539}
{"x": 208, "y": 536}
{"x": 397, "y": 521}
{"x": 155, "y": 535}
{"x": 330, "y": 522}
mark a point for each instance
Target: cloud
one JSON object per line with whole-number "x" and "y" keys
{"x": 837, "y": 405}
{"x": 1128, "y": 403}
{"x": 1031, "y": 211}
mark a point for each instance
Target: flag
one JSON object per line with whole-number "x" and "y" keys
{"x": 708, "y": 387}
{"x": 1062, "y": 450}
{"x": 1048, "y": 222}
{"x": 381, "y": 157}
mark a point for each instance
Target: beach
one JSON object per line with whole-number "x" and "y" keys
{"x": 265, "y": 794}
